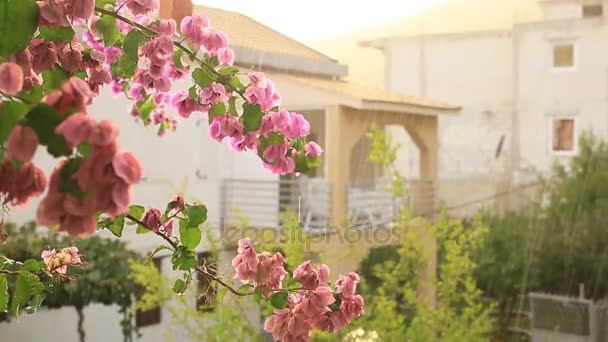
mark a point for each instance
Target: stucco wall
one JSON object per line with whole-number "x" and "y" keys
{"x": 544, "y": 92}
{"x": 471, "y": 70}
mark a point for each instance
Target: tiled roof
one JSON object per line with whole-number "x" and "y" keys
{"x": 248, "y": 33}
{"x": 369, "y": 94}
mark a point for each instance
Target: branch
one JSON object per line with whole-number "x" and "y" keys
{"x": 178, "y": 44}
{"x": 143, "y": 224}
{"x": 204, "y": 271}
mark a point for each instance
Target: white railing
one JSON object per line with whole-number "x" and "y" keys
{"x": 261, "y": 203}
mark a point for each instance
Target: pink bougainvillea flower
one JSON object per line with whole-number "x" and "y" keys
{"x": 184, "y": 104}
{"x": 312, "y": 149}
{"x": 71, "y": 57}
{"x": 22, "y": 144}
{"x": 74, "y": 94}
{"x": 20, "y": 184}
{"x": 311, "y": 277}
{"x": 127, "y": 167}
{"x": 271, "y": 272}
{"x": 168, "y": 27}
{"x": 76, "y": 129}
{"x": 104, "y": 133}
{"x": 196, "y": 28}
{"x": 316, "y": 304}
{"x": 275, "y": 152}
{"x": 347, "y": 285}
{"x": 285, "y": 166}
{"x": 214, "y": 93}
{"x": 285, "y": 325}
{"x": 225, "y": 126}
{"x": 44, "y": 55}
{"x": 246, "y": 262}
{"x": 152, "y": 219}
{"x": 138, "y": 7}
{"x": 261, "y": 91}
{"x": 226, "y": 56}
{"x": 215, "y": 41}
{"x": 121, "y": 197}
{"x": 53, "y": 13}
{"x": 82, "y": 8}
{"x": 11, "y": 78}
{"x": 79, "y": 226}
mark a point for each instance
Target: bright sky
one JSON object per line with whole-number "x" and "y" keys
{"x": 317, "y": 19}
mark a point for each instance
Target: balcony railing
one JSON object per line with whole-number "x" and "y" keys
{"x": 261, "y": 203}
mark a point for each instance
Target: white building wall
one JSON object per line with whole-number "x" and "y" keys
{"x": 545, "y": 92}
{"x": 473, "y": 71}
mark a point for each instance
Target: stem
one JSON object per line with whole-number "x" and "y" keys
{"x": 204, "y": 271}
{"x": 178, "y": 44}
{"x": 81, "y": 333}
{"x": 143, "y": 224}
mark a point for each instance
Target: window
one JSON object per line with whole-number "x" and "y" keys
{"x": 596, "y": 10}
{"x": 207, "y": 291}
{"x": 152, "y": 316}
{"x": 563, "y": 133}
{"x": 563, "y": 55}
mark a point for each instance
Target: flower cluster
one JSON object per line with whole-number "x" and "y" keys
{"x": 314, "y": 306}
{"x": 58, "y": 261}
{"x": 20, "y": 179}
{"x": 104, "y": 178}
{"x": 262, "y": 270}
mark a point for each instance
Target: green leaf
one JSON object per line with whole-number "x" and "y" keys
{"x": 107, "y": 29}
{"x": 232, "y": 106}
{"x": 201, "y": 77}
{"x": 26, "y": 286}
{"x": 133, "y": 40}
{"x": 35, "y": 303}
{"x": 124, "y": 67}
{"x": 183, "y": 259}
{"x": 142, "y": 230}
{"x": 53, "y": 79}
{"x": 216, "y": 109}
{"x": 197, "y": 215}
{"x": 190, "y": 237}
{"x": 179, "y": 286}
{"x": 279, "y": 300}
{"x": 3, "y": 293}
{"x": 236, "y": 83}
{"x": 137, "y": 211}
{"x": 154, "y": 252}
{"x": 85, "y": 149}
{"x": 32, "y": 265}
{"x": 170, "y": 206}
{"x": 252, "y": 117}
{"x": 177, "y": 59}
{"x": 43, "y": 119}
{"x": 33, "y": 95}
{"x": 59, "y": 34}
{"x": 146, "y": 109}
{"x": 10, "y": 114}
{"x": 68, "y": 184}
{"x": 257, "y": 296}
{"x": 229, "y": 70}
{"x": 193, "y": 93}
{"x": 117, "y": 225}
{"x": 18, "y": 23}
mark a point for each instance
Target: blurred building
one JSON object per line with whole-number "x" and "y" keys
{"x": 529, "y": 83}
